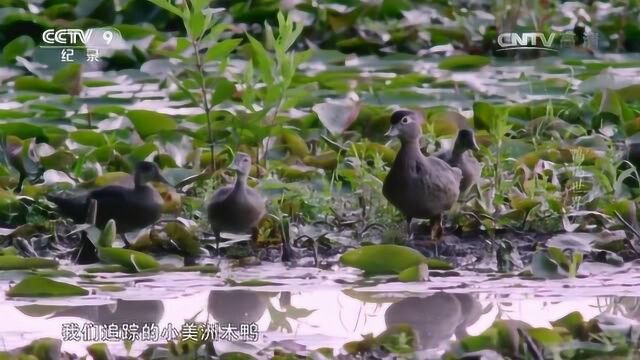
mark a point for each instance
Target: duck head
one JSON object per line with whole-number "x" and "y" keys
{"x": 147, "y": 171}
{"x": 405, "y": 125}
{"x": 466, "y": 141}
{"x": 241, "y": 164}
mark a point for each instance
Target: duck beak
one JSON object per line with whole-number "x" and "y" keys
{"x": 393, "y": 132}
{"x": 161, "y": 179}
{"x": 475, "y": 146}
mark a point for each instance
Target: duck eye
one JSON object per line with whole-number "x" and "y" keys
{"x": 405, "y": 120}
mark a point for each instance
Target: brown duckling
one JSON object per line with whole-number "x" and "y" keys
{"x": 237, "y": 208}
{"x": 420, "y": 187}
{"x": 459, "y": 157}
{"x": 131, "y": 208}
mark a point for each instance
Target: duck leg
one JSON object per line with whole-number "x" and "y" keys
{"x": 126, "y": 242}
{"x": 216, "y": 233}
{"x": 253, "y": 243}
{"x": 436, "y": 231}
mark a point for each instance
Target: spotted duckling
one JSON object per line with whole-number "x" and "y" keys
{"x": 237, "y": 208}
{"x": 460, "y": 157}
{"x": 419, "y": 186}
{"x": 132, "y": 208}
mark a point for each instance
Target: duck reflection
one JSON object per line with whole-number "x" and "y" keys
{"x": 435, "y": 318}
{"x": 237, "y": 306}
{"x": 123, "y": 311}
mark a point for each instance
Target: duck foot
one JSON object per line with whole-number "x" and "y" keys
{"x": 190, "y": 260}
{"x": 126, "y": 242}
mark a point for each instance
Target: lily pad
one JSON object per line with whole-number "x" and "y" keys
{"x": 130, "y": 259}
{"x": 13, "y": 262}
{"x": 387, "y": 259}
{"x": 464, "y": 62}
{"x": 38, "y": 286}
{"x": 337, "y": 117}
{"x": 150, "y": 122}
{"x": 415, "y": 273}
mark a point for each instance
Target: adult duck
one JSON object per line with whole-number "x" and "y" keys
{"x": 419, "y": 186}
{"x": 131, "y": 208}
{"x": 461, "y": 157}
{"x": 237, "y": 208}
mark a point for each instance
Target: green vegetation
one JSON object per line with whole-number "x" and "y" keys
{"x": 306, "y": 89}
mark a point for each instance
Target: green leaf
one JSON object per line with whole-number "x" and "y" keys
{"x": 196, "y": 24}
{"x": 236, "y": 355}
{"x": 38, "y": 286}
{"x": 222, "y": 49}
{"x": 166, "y": 4}
{"x": 13, "y": 262}
{"x": 130, "y": 259}
{"x": 88, "y": 138}
{"x": 108, "y": 234}
{"x": 463, "y": 62}
{"x": 150, "y": 122}
{"x": 224, "y": 91}
{"x": 383, "y": 259}
{"x": 32, "y": 83}
{"x": 542, "y": 266}
{"x": 70, "y": 78}
{"x": 545, "y": 336}
{"x": 483, "y": 115}
{"x": 20, "y": 46}
{"x": 415, "y": 273}
{"x": 21, "y": 130}
{"x": 262, "y": 57}
{"x": 99, "y": 351}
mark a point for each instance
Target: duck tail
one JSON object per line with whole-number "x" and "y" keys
{"x": 74, "y": 207}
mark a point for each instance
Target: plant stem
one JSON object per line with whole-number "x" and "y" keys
{"x": 205, "y": 101}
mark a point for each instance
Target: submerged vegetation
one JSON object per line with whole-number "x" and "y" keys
{"x": 305, "y": 90}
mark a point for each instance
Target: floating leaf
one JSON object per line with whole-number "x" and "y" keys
{"x": 236, "y": 356}
{"x": 13, "y": 262}
{"x": 88, "y": 138}
{"x": 108, "y": 234}
{"x": 132, "y": 260}
{"x": 463, "y": 62}
{"x": 20, "y": 46}
{"x": 32, "y": 83}
{"x": 415, "y": 273}
{"x": 386, "y": 259}
{"x": 99, "y": 351}
{"x": 70, "y": 78}
{"x": 150, "y": 122}
{"x": 38, "y": 286}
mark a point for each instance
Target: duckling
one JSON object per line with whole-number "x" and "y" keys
{"x": 131, "y": 208}
{"x": 237, "y": 208}
{"x": 462, "y": 159}
{"x": 420, "y": 187}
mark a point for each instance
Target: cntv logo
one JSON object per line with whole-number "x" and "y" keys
{"x": 541, "y": 41}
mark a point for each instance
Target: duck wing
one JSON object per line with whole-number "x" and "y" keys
{"x": 74, "y": 207}
{"x": 440, "y": 183}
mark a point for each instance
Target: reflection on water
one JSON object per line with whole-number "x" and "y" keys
{"x": 313, "y": 319}
{"x": 237, "y": 306}
{"x": 123, "y": 311}
{"x": 435, "y": 318}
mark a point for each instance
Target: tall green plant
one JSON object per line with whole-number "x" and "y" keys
{"x": 204, "y": 30}
{"x": 276, "y": 64}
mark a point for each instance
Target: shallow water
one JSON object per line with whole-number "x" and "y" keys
{"x": 308, "y": 308}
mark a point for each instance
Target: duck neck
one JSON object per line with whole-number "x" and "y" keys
{"x": 410, "y": 146}
{"x": 139, "y": 182}
{"x": 457, "y": 152}
{"x": 241, "y": 182}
